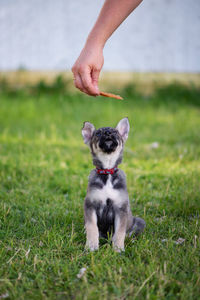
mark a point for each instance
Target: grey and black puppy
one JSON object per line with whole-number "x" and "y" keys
{"x": 106, "y": 206}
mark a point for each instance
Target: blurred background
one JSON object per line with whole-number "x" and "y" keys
{"x": 159, "y": 42}
{"x": 159, "y": 36}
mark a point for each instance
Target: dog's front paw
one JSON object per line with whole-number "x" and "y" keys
{"x": 91, "y": 245}
{"x": 118, "y": 249}
{"x": 118, "y": 243}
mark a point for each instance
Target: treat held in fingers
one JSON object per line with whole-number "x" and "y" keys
{"x": 109, "y": 95}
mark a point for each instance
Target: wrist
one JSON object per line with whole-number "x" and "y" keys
{"x": 95, "y": 41}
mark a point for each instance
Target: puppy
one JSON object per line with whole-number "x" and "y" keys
{"x": 106, "y": 206}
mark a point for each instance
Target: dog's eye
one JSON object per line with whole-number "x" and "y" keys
{"x": 98, "y": 134}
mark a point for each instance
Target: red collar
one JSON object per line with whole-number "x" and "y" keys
{"x": 106, "y": 171}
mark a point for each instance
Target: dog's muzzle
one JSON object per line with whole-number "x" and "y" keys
{"x": 108, "y": 144}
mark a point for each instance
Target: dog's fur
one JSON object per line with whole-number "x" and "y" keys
{"x": 106, "y": 206}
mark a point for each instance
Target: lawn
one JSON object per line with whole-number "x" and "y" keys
{"x": 44, "y": 166}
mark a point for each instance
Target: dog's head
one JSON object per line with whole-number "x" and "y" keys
{"x": 106, "y": 143}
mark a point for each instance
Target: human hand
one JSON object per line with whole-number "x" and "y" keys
{"x": 87, "y": 68}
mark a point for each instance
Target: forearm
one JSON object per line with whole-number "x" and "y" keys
{"x": 112, "y": 14}
{"x": 87, "y": 67}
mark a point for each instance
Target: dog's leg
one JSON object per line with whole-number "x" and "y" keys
{"x": 92, "y": 232}
{"x": 120, "y": 231}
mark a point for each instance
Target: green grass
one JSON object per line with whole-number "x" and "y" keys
{"x": 44, "y": 167}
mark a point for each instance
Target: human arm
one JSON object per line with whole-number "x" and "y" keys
{"x": 87, "y": 67}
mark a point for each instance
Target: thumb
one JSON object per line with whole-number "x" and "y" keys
{"x": 95, "y": 79}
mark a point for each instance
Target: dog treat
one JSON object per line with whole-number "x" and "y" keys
{"x": 109, "y": 95}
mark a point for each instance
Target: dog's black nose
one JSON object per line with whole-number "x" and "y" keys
{"x": 108, "y": 143}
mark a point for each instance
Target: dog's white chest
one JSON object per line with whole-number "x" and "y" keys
{"x": 107, "y": 192}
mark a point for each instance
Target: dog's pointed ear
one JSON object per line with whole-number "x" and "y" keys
{"x": 123, "y": 127}
{"x": 87, "y": 132}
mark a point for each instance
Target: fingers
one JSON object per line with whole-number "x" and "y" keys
{"x": 86, "y": 77}
{"x": 83, "y": 80}
{"x": 78, "y": 83}
{"x": 95, "y": 78}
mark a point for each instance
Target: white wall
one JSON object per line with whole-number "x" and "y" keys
{"x": 160, "y": 35}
